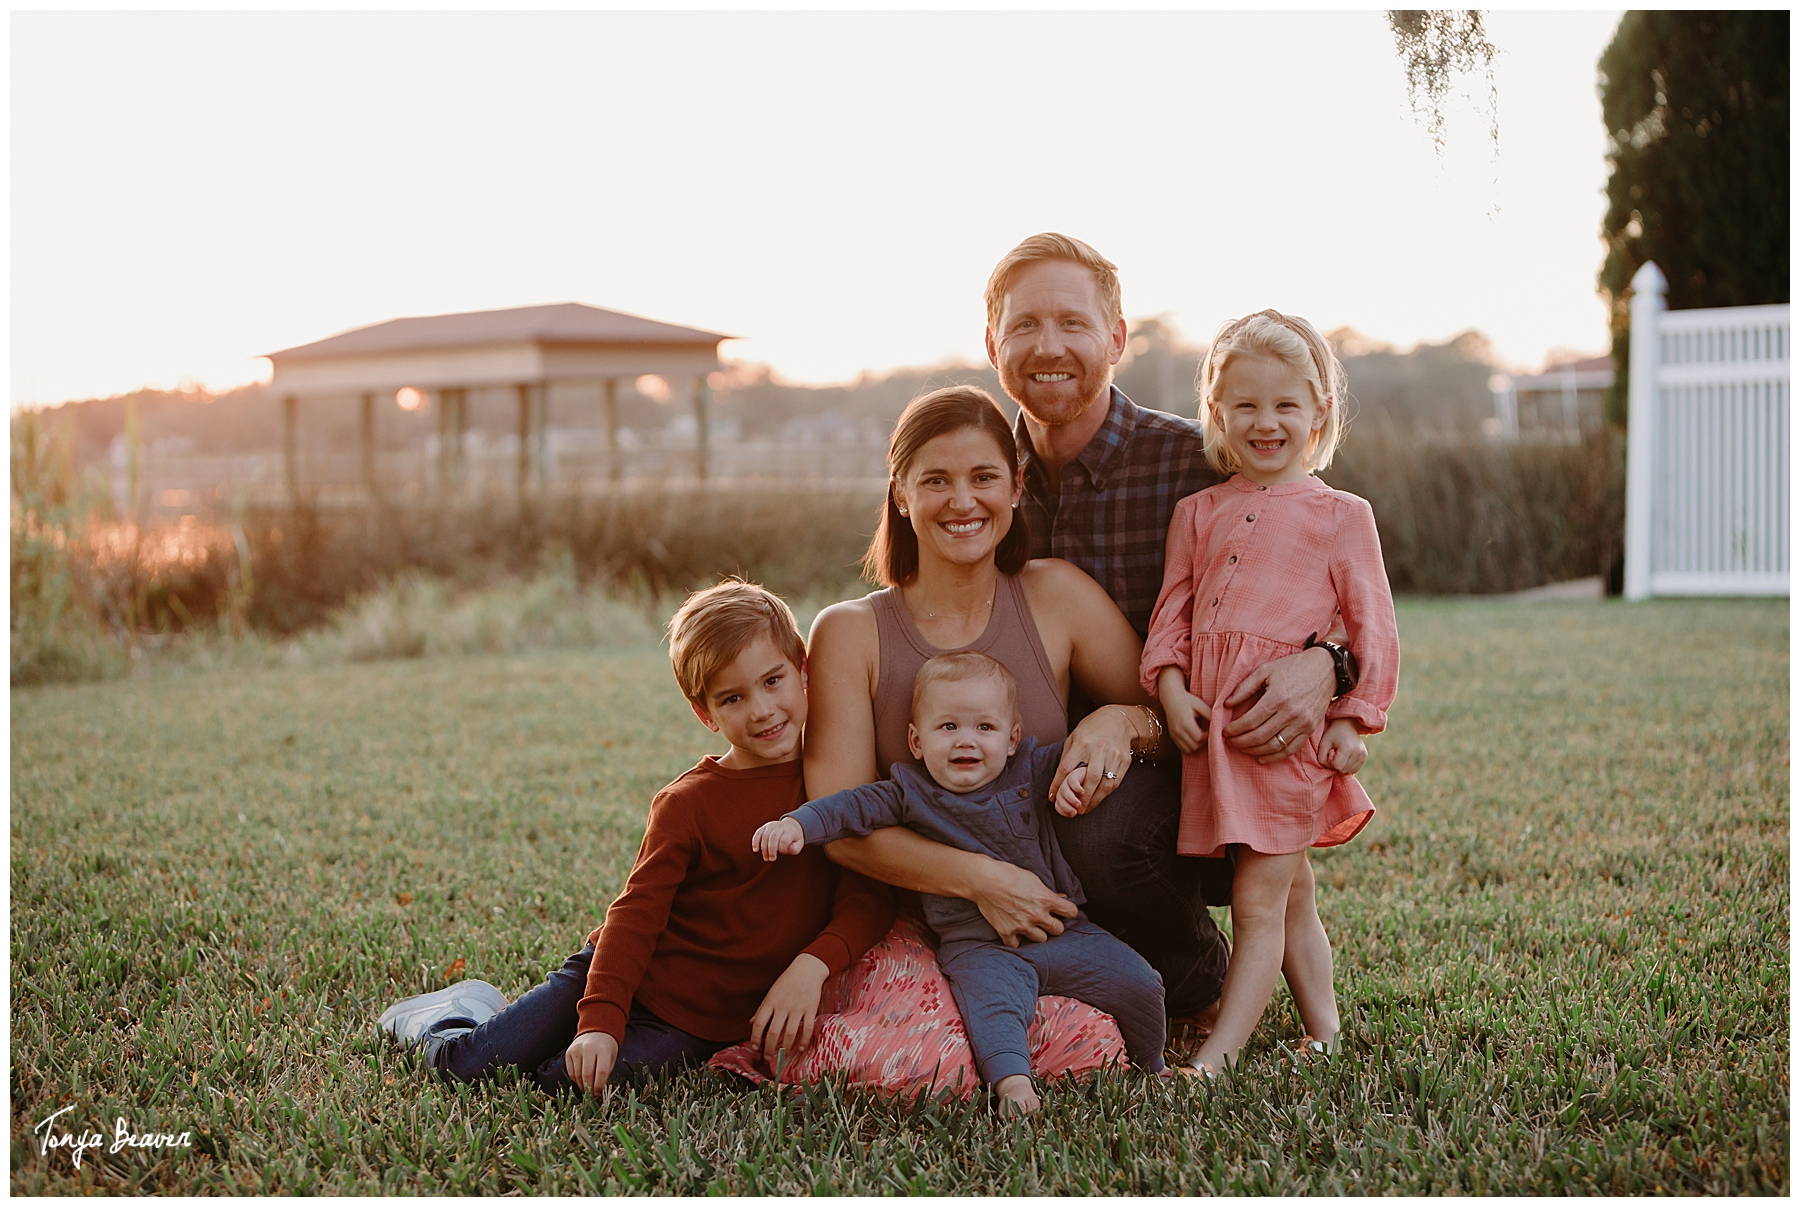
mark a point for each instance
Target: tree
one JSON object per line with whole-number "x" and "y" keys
{"x": 1436, "y": 46}
{"x": 1696, "y": 111}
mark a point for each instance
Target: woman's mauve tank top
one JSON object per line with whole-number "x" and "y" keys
{"x": 1011, "y": 639}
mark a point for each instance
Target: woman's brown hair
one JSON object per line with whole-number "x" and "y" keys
{"x": 893, "y": 556}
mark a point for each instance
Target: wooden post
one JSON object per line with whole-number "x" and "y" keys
{"x": 446, "y": 399}
{"x": 702, "y": 437}
{"x": 290, "y": 448}
{"x": 458, "y": 468}
{"x": 541, "y": 426}
{"x": 1641, "y": 436}
{"x": 452, "y": 422}
{"x": 525, "y": 438}
{"x": 610, "y": 404}
{"x": 368, "y": 446}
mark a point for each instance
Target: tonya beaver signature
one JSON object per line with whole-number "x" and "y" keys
{"x": 123, "y": 1137}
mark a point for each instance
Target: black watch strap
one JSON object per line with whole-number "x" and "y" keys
{"x": 1343, "y": 664}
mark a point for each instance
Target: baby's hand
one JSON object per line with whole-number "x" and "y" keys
{"x": 1186, "y": 712}
{"x": 780, "y": 837}
{"x": 1342, "y": 748}
{"x": 1068, "y": 797}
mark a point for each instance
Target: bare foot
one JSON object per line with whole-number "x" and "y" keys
{"x": 1309, "y": 1048}
{"x": 1204, "y": 1072}
{"x": 1016, "y": 1095}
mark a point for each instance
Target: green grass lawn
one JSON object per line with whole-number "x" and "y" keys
{"x": 1562, "y": 945}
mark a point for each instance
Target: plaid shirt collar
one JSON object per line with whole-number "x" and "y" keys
{"x": 1104, "y": 453}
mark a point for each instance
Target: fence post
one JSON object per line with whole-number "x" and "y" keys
{"x": 1642, "y": 438}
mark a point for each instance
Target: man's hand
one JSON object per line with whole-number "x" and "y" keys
{"x": 1342, "y": 748}
{"x": 785, "y": 1018}
{"x": 1019, "y": 907}
{"x": 1187, "y": 713}
{"x": 1103, "y": 742}
{"x": 1296, "y": 690}
{"x": 589, "y": 1060}
{"x": 783, "y": 836}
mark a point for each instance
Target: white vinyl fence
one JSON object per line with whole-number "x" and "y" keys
{"x": 1706, "y": 488}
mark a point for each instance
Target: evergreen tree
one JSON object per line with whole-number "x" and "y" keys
{"x": 1696, "y": 111}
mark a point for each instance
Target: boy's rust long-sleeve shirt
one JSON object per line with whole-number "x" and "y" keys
{"x": 705, "y": 925}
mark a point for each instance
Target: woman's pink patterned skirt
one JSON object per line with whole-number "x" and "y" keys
{"x": 888, "y": 1022}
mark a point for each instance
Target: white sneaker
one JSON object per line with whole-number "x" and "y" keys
{"x": 410, "y": 1018}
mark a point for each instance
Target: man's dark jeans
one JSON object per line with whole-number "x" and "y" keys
{"x": 1142, "y": 891}
{"x": 532, "y": 1034}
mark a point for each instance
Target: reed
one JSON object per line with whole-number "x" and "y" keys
{"x": 1470, "y": 517}
{"x": 95, "y": 594}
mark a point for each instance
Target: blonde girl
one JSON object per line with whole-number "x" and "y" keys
{"x": 1257, "y": 567}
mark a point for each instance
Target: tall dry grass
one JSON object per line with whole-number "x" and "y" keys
{"x": 631, "y": 544}
{"x": 1469, "y": 517}
{"x": 92, "y": 594}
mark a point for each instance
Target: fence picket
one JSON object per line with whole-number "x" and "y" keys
{"x": 1707, "y": 461}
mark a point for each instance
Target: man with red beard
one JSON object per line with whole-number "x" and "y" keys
{"x": 1102, "y": 477}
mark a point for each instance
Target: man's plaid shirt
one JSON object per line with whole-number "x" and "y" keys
{"x": 1109, "y": 513}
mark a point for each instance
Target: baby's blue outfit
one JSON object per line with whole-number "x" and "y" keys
{"x": 996, "y": 987}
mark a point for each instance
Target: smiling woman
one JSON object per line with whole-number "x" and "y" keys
{"x": 951, "y": 552}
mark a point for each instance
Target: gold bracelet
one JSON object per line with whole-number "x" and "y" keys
{"x": 1154, "y": 742}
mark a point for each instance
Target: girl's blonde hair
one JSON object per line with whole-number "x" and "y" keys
{"x": 1297, "y": 344}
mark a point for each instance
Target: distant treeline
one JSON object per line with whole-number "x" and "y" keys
{"x": 1436, "y": 386}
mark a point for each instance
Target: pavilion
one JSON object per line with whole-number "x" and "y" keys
{"x": 527, "y": 348}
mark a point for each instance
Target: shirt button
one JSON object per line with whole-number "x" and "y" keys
{"x": 1262, "y": 488}
{"x": 1234, "y": 559}
{"x": 1250, "y": 517}
{"x": 1215, "y": 602}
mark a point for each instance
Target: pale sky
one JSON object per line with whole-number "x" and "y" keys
{"x": 192, "y": 189}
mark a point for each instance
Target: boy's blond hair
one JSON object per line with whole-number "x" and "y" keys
{"x": 712, "y": 628}
{"x": 1052, "y": 246}
{"x": 1297, "y": 344}
{"x": 960, "y": 667}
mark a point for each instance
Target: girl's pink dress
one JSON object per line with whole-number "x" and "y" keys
{"x": 1251, "y": 572}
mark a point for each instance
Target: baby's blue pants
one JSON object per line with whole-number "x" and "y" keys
{"x": 997, "y": 988}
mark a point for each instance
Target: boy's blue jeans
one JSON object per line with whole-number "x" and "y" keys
{"x": 1139, "y": 889}
{"x": 997, "y": 987}
{"x": 532, "y": 1034}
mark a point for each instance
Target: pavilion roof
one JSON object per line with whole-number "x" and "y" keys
{"x": 562, "y": 323}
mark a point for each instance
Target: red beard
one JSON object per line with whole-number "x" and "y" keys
{"x": 1062, "y": 403}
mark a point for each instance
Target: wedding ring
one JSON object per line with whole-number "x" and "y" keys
{"x": 1282, "y": 740}
{"x": 1109, "y": 775}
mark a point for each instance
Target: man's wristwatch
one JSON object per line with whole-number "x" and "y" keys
{"x": 1343, "y": 664}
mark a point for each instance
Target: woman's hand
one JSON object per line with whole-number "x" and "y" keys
{"x": 1018, "y": 905}
{"x": 785, "y": 1018}
{"x": 1187, "y": 713}
{"x": 590, "y": 1059}
{"x": 1103, "y": 742}
{"x": 1296, "y": 691}
{"x": 1342, "y": 748}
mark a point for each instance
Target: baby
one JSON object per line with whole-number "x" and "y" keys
{"x": 981, "y": 791}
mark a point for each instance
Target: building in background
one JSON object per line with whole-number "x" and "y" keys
{"x": 1556, "y": 406}
{"x": 442, "y": 358}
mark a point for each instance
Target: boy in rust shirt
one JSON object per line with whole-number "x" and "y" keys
{"x": 708, "y": 945}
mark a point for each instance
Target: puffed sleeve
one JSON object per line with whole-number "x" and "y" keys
{"x": 1367, "y": 606}
{"x": 1171, "y": 639}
